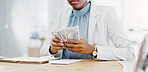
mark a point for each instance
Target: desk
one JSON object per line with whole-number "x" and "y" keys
{"x": 84, "y": 66}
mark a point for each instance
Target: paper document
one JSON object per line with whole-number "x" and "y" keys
{"x": 9, "y": 60}
{"x": 35, "y": 59}
{"x": 28, "y": 59}
{"x": 65, "y": 61}
{"x": 2, "y": 57}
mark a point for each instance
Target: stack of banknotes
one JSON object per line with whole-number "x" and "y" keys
{"x": 68, "y": 33}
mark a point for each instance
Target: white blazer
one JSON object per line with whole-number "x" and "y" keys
{"x": 104, "y": 25}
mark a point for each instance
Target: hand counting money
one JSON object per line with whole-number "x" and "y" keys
{"x": 68, "y": 33}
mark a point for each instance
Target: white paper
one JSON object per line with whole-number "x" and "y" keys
{"x": 2, "y": 57}
{"x": 35, "y": 59}
{"x": 65, "y": 61}
{"x": 9, "y": 59}
{"x": 28, "y": 59}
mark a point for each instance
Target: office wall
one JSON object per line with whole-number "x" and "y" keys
{"x": 8, "y": 41}
{"x": 20, "y": 18}
{"x": 117, "y": 4}
{"x": 130, "y": 14}
{"x": 136, "y": 15}
{"x": 5, "y": 29}
{"x": 2, "y": 26}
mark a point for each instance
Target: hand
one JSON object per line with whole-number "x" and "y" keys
{"x": 56, "y": 45}
{"x": 80, "y": 47}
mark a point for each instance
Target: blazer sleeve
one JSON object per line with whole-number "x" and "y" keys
{"x": 122, "y": 49}
{"x": 44, "y": 51}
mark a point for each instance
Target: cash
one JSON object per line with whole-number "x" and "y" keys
{"x": 68, "y": 33}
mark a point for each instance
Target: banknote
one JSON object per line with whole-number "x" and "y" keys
{"x": 67, "y": 33}
{"x": 63, "y": 34}
{"x": 56, "y": 35}
{"x": 72, "y": 33}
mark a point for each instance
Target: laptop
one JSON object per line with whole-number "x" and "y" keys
{"x": 143, "y": 56}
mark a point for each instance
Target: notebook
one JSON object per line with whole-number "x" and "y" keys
{"x": 65, "y": 61}
{"x": 14, "y": 60}
{"x": 28, "y": 59}
{"x": 2, "y": 57}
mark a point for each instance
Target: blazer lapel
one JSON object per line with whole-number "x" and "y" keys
{"x": 66, "y": 18}
{"x": 92, "y": 23}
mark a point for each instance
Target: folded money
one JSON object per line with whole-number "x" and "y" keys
{"x": 68, "y": 33}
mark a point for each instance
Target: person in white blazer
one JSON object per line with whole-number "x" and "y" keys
{"x": 104, "y": 26}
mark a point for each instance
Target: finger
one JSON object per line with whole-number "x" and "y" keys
{"x": 58, "y": 48}
{"x": 74, "y": 50}
{"x": 57, "y": 44}
{"x": 73, "y": 45}
{"x": 70, "y": 45}
{"x": 56, "y": 40}
{"x": 74, "y": 41}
